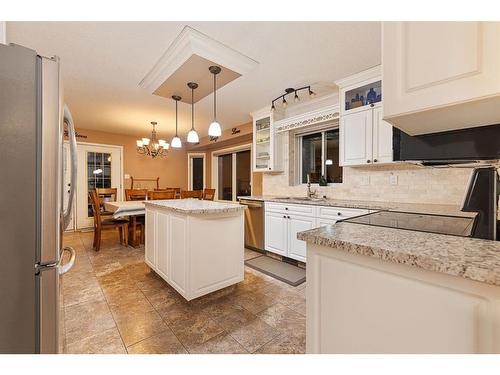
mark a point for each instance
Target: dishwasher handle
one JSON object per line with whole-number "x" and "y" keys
{"x": 250, "y": 204}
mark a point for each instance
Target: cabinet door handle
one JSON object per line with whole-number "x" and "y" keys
{"x": 339, "y": 213}
{"x": 368, "y": 161}
{"x": 372, "y": 105}
{"x": 284, "y": 216}
{"x": 288, "y": 217}
{"x": 286, "y": 208}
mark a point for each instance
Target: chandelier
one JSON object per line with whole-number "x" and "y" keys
{"x": 152, "y": 146}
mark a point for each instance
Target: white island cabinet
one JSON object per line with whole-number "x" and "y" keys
{"x": 196, "y": 246}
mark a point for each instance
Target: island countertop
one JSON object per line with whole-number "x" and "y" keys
{"x": 470, "y": 258}
{"x": 195, "y": 206}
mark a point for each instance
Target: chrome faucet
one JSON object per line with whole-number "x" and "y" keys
{"x": 310, "y": 193}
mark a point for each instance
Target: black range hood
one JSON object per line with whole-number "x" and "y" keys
{"x": 450, "y": 147}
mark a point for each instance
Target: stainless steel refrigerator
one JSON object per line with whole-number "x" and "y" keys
{"x": 32, "y": 217}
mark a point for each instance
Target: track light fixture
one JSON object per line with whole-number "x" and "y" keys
{"x": 296, "y": 97}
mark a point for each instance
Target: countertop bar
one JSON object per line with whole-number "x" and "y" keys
{"x": 470, "y": 258}
{"x": 422, "y": 208}
{"x": 195, "y": 206}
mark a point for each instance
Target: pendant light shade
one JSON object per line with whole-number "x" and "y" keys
{"x": 215, "y": 130}
{"x": 176, "y": 141}
{"x": 192, "y": 136}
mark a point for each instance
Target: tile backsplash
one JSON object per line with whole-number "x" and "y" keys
{"x": 415, "y": 184}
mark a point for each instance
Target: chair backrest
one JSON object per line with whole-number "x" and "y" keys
{"x": 96, "y": 208}
{"x": 209, "y": 194}
{"x": 162, "y": 194}
{"x": 136, "y": 194}
{"x": 191, "y": 194}
{"x": 177, "y": 191}
{"x": 106, "y": 195}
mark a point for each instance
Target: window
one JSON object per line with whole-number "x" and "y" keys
{"x": 319, "y": 156}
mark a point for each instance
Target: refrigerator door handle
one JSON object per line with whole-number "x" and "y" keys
{"x": 66, "y": 267}
{"x": 68, "y": 119}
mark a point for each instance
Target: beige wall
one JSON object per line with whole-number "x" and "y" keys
{"x": 415, "y": 184}
{"x": 172, "y": 170}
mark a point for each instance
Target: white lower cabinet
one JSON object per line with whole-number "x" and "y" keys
{"x": 162, "y": 256}
{"x": 284, "y": 221}
{"x": 276, "y": 233}
{"x": 297, "y": 248}
{"x": 150, "y": 238}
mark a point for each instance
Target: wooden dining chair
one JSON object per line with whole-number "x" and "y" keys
{"x": 100, "y": 224}
{"x": 162, "y": 194}
{"x": 191, "y": 194}
{"x": 177, "y": 191}
{"x": 136, "y": 194}
{"x": 208, "y": 194}
{"x": 106, "y": 195}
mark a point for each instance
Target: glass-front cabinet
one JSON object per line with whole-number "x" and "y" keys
{"x": 266, "y": 149}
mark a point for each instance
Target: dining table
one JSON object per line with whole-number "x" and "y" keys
{"x": 128, "y": 209}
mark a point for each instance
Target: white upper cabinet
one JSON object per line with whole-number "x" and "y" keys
{"x": 266, "y": 146}
{"x": 365, "y": 138}
{"x": 356, "y": 138}
{"x": 440, "y": 76}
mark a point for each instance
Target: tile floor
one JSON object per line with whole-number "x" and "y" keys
{"x": 113, "y": 303}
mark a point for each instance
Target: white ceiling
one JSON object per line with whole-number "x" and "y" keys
{"x": 103, "y": 63}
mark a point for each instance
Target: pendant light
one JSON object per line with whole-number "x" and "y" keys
{"x": 176, "y": 141}
{"x": 192, "y": 136}
{"x": 214, "y": 130}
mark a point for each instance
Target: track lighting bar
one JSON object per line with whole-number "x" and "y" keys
{"x": 296, "y": 97}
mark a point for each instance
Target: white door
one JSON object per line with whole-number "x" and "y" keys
{"x": 356, "y": 138}
{"x": 276, "y": 233}
{"x": 99, "y": 166}
{"x": 382, "y": 138}
{"x": 297, "y": 248}
{"x": 67, "y": 184}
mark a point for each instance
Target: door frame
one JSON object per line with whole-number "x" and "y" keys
{"x": 192, "y": 155}
{"x": 121, "y": 179}
{"x": 215, "y": 169}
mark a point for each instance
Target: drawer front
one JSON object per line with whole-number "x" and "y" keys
{"x": 338, "y": 213}
{"x": 300, "y": 209}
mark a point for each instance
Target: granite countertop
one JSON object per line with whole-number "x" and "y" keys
{"x": 195, "y": 206}
{"x": 470, "y": 258}
{"x": 423, "y": 208}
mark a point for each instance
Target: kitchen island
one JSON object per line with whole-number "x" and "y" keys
{"x": 196, "y": 246}
{"x": 373, "y": 289}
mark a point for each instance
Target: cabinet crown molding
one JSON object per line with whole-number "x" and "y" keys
{"x": 368, "y": 74}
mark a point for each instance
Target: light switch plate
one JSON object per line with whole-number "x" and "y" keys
{"x": 393, "y": 179}
{"x": 127, "y": 177}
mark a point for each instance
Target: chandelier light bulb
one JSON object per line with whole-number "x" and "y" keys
{"x": 176, "y": 142}
{"x": 214, "y": 130}
{"x": 193, "y": 137}
{"x": 139, "y": 143}
{"x": 145, "y": 141}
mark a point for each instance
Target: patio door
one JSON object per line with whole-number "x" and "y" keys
{"x": 233, "y": 174}
{"x": 99, "y": 166}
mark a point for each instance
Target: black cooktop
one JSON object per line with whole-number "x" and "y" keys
{"x": 453, "y": 225}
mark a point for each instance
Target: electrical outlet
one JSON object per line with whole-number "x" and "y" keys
{"x": 393, "y": 179}
{"x": 126, "y": 176}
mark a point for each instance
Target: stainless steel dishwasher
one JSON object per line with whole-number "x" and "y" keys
{"x": 254, "y": 224}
